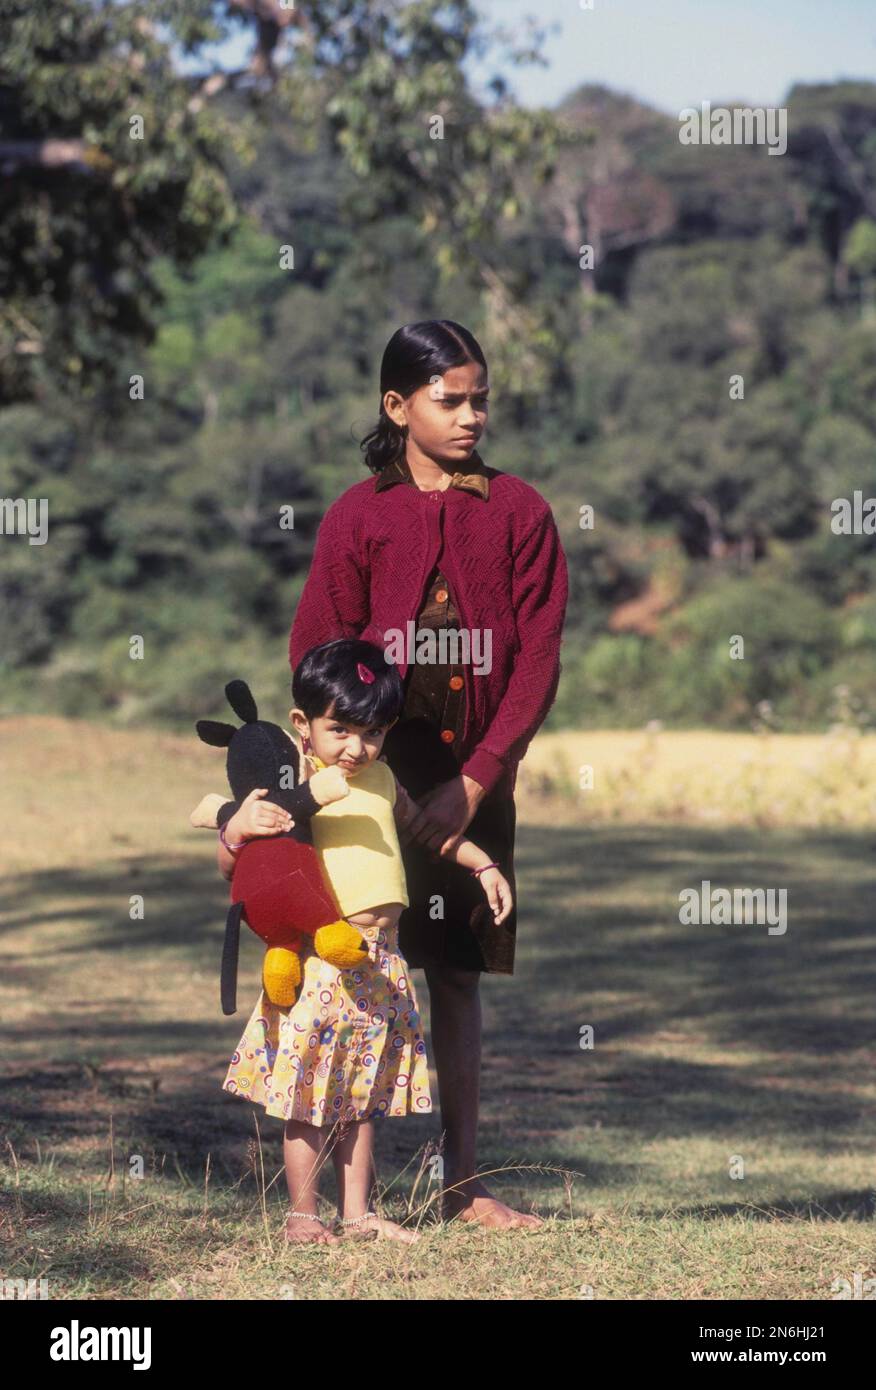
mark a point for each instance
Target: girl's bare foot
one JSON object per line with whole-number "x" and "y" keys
{"x": 308, "y": 1231}
{"x": 473, "y": 1202}
{"x": 378, "y": 1228}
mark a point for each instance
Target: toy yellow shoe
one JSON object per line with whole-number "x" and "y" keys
{"x": 341, "y": 945}
{"x": 281, "y": 976}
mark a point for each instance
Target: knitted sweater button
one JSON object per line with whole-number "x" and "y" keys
{"x": 456, "y": 682}
{"x": 447, "y": 735}
{"x": 441, "y": 595}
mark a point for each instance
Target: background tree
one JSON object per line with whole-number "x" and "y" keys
{"x": 611, "y": 386}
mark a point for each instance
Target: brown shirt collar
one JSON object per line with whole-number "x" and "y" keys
{"x": 475, "y": 478}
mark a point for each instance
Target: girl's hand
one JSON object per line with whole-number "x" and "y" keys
{"x": 256, "y": 817}
{"x": 498, "y": 891}
{"x": 446, "y": 812}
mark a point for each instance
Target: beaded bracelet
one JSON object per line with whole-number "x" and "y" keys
{"x": 231, "y": 848}
{"x": 484, "y": 868}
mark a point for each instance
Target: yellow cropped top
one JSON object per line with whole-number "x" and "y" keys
{"x": 357, "y": 842}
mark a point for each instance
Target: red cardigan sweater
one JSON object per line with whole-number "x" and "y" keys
{"x": 377, "y": 546}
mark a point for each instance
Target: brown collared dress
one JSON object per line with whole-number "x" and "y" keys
{"x": 421, "y": 750}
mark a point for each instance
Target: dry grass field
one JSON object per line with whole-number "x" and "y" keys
{"x": 715, "y": 1142}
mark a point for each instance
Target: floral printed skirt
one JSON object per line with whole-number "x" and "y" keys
{"x": 351, "y": 1047}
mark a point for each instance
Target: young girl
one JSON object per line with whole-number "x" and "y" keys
{"x": 351, "y": 1047}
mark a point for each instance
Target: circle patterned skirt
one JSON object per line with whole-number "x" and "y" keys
{"x": 350, "y": 1048}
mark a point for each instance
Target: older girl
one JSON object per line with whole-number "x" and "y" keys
{"x": 456, "y": 571}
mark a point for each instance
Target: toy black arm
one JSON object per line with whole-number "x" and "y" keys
{"x": 300, "y": 802}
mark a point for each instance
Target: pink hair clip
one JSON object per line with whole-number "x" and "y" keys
{"x": 364, "y": 674}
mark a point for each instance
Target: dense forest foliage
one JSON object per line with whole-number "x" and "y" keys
{"x": 190, "y": 342}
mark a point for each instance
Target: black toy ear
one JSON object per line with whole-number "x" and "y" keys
{"x": 241, "y": 701}
{"x": 211, "y": 731}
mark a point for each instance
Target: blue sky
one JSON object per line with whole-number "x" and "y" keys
{"x": 678, "y": 54}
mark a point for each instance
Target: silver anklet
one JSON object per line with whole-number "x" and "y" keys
{"x": 306, "y": 1216}
{"x": 357, "y": 1220}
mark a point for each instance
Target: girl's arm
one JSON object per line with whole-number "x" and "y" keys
{"x": 234, "y": 834}
{"x": 461, "y": 850}
{"x": 465, "y": 853}
{"x": 255, "y": 817}
{"x": 493, "y": 881}
{"x": 539, "y": 594}
{"x": 457, "y": 848}
{"x": 335, "y": 600}
{"x": 225, "y": 860}
{"x": 409, "y": 817}
{"x": 405, "y": 810}
{"x": 264, "y": 817}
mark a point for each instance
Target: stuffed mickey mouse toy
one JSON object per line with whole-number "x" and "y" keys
{"x": 278, "y": 887}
